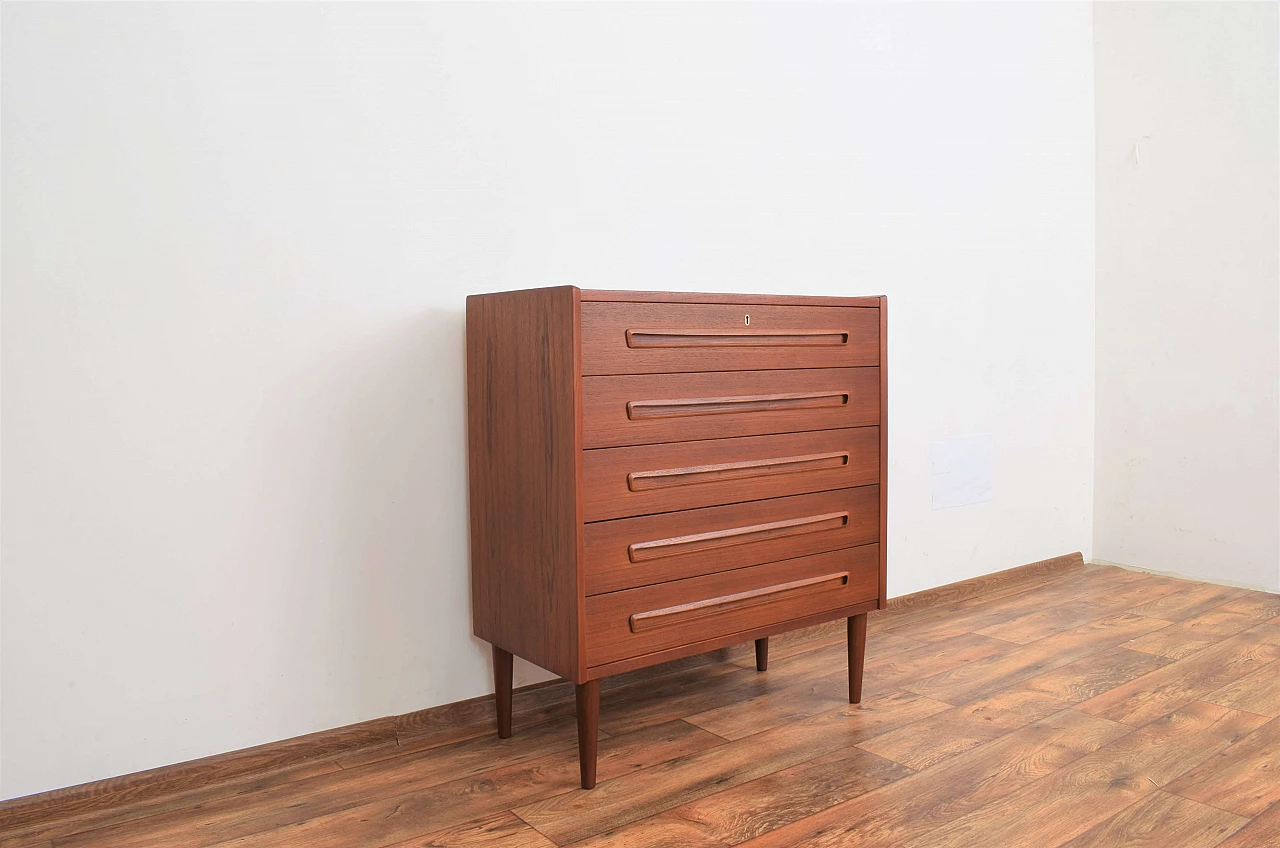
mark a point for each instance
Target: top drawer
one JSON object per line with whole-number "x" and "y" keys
{"x": 658, "y": 338}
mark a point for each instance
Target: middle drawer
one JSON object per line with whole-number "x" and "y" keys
{"x": 620, "y": 482}
{"x": 647, "y": 408}
{"x": 631, "y": 552}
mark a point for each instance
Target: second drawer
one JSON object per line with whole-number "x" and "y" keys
{"x": 684, "y": 612}
{"x": 648, "y": 408}
{"x": 619, "y": 482}
{"x": 632, "y": 552}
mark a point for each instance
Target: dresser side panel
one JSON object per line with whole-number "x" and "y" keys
{"x": 884, "y": 452}
{"x": 524, "y": 442}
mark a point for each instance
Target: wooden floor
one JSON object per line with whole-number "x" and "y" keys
{"x": 1096, "y": 707}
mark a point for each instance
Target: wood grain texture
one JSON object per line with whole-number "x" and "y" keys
{"x": 761, "y": 805}
{"x": 421, "y": 811}
{"x": 1080, "y": 610}
{"x": 227, "y": 818}
{"x": 603, "y": 295}
{"x": 423, "y": 729}
{"x": 1097, "y": 673}
{"x": 1074, "y": 798}
{"x": 650, "y": 618}
{"x": 1161, "y": 820}
{"x": 1002, "y": 602}
{"x": 794, "y": 642}
{"x": 1243, "y": 779}
{"x": 1192, "y": 600}
{"x": 890, "y": 669}
{"x": 926, "y": 800}
{"x": 726, "y": 640}
{"x": 685, "y": 695}
{"x": 61, "y": 826}
{"x": 984, "y": 677}
{"x": 1003, "y": 610}
{"x": 223, "y": 769}
{"x": 664, "y": 830}
{"x": 884, "y": 452}
{"x": 959, "y": 729}
{"x": 647, "y": 409}
{"x": 718, "y": 337}
{"x": 1179, "y": 683}
{"x": 708, "y": 751}
{"x": 621, "y": 482}
{"x": 467, "y": 719}
{"x": 534, "y": 704}
{"x": 943, "y": 735}
{"x": 1195, "y": 633}
{"x": 1257, "y": 693}
{"x": 1262, "y": 831}
{"x": 524, "y": 453}
{"x": 650, "y": 549}
{"x": 587, "y": 709}
{"x": 856, "y": 644}
{"x": 789, "y": 695}
{"x": 500, "y": 830}
{"x": 980, "y": 590}
{"x": 575, "y": 816}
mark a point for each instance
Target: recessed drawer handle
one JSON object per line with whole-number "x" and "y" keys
{"x": 641, "y": 410}
{"x": 676, "y": 545}
{"x": 735, "y": 338}
{"x": 639, "y": 481}
{"x": 668, "y": 616}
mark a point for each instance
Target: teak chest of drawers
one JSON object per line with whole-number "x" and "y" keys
{"x": 655, "y": 475}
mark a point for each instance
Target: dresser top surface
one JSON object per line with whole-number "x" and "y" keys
{"x": 617, "y": 296}
{"x": 594, "y": 295}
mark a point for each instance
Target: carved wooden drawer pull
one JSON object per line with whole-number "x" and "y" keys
{"x": 639, "y": 481}
{"x": 668, "y": 616}
{"x": 642, "y": 410}
{"x": 677, "y": 545}
{"x": 735, "y": 338}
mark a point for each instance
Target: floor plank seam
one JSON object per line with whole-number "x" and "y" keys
{"x": 1205, "y": 803}
{"x": 535, "y": 827}
{"x": 685, "y": 720}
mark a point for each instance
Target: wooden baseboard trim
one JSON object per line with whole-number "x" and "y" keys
{"x": 425, "y": 728}
{"x": 986, "y": 584}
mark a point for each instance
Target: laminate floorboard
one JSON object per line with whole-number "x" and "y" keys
{"x": 1161, "y": 820}
{"x": 1264, "y": 830}
{"x": 1092, "y": 708}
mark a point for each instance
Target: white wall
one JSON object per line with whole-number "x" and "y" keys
{"x": 237, "y": 243}
{"x": 1188, "y": 276}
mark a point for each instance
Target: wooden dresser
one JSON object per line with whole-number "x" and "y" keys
{"x": 654, "y": 475}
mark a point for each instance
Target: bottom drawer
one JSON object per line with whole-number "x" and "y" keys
{"x": 666, "y": 615}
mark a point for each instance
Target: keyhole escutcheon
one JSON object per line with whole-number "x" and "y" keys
{"x": 746, "y": 320}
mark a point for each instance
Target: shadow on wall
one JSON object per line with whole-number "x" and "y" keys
{"x": 379, "y": 436}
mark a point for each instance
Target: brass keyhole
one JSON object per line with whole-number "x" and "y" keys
{"x": 747, "y": 320}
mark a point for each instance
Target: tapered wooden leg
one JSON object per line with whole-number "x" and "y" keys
{"x": 588, "y": 697}
{"x": 762, "y": 654}
{"x": 502, "y": 690}
{"x": 857, "y": 653}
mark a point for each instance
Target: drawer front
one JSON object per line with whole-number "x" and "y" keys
{"x": 622, "y": 482}
{"x": 666, "y": 615}
{"x": 658, "y": 338}
{"x": 650, "y": 408}
{"x": 633, "y": 552}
